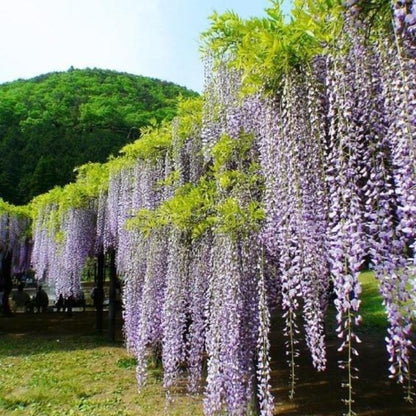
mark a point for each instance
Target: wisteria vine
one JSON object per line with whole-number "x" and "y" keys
{"x": 268, "y": 202}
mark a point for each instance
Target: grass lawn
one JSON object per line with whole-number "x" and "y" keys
{"x": 63, "y": 373}
{"x": 371, "y": 307}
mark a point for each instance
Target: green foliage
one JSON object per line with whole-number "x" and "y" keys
{"x": 156, "y": 139}
{"x": 52, "y": 123}
{"x": 13, "y": 210}
{"x": 214, "y": 203}
{"x": 228, "y": 150}
{"x": 265, "y": 49}
{"x": 127, "y": 362}
{"x": 92, "y": 178}
{"x": 153, "y": 142}
{"x": 189, "y": 117}
{"x": 190, "y": 209}
{"x": 237, "y": 219}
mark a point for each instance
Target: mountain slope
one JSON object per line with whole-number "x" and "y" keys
{"x": 55, "y": 122}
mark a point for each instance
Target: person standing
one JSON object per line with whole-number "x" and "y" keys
{"x": 41, "y": 300}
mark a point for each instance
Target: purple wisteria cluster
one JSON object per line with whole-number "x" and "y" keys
{"x": 398, "y": 89}
{"x": 404, "y": 12}
{"x": 348, "y": 146}
{"x": 62, "y": 246}
{"x": 232, "y": 333}
{"x": 20, "y": 244}
{"x": 44, "y": 245}
{"x": 370, "y": 178}
{"x": 292, "y": 155}
{"x": 140, "y": 258}
{"x": 78, "y": 227}
{"x": 14, "y": 240}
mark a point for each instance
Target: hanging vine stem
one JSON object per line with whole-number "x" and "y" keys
{"x": 347, "y": 304}
{"x": 350, "y": 350}
{"x": 263, "y": 345}
{"x": 291, "y": 255}
{"x": 409, "y": 388}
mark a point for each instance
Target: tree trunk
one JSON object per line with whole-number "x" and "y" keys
{"x": 99, "y": 293}
{"x": 6, "y": 282}
{"x": 112, "y": 297}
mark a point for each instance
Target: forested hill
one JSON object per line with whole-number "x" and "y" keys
{"x": 55, "y": 122}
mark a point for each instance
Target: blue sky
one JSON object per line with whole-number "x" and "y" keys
{"x": 157, "y": 38}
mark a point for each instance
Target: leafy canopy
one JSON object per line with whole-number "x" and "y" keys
{"x": 265, "y": 49}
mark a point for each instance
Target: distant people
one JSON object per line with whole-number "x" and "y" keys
{"x": 94, "y": 295}
{"x": 69, "y": 304}
{"x": 41, "y": 300}
{"x": 20, "y": 299}
{"x": 60, "y": 303}
{"x": 81, "y": 300}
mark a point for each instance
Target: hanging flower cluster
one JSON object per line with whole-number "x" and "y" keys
{"x": 370, "y": 178}
{"x": 68, "y": 228}
{"x": 404, "y": 12}
{"x": 399, "y": 92}
{"x": 44, "y": 246}
{"x": 78, "y": 228}
{"x": 140, "y": 259}
{"x": 349, "y": 144}
{"x": 62, "y": 246}
{"x": 292, "y": 154}
{"x": 20, "y": 244}
{"x": 14, "y": 237}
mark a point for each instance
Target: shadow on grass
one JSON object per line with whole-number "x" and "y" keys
{"x": 30, "y": 334}
{"x": 320, "y": 393}
{"x": 13, "y": 405}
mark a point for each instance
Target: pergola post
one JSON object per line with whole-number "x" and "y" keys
{"x": 99, "y": 295}
{"x": 112, "y": 297}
